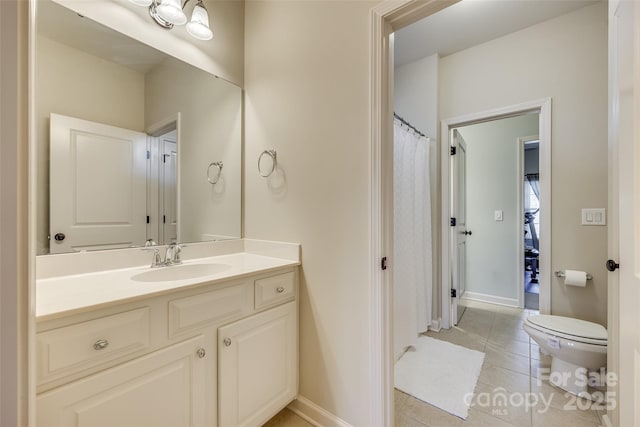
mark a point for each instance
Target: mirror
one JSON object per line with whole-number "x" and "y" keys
{"x": 133, "y": 145}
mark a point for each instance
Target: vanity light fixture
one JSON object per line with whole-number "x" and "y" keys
{"x": 168, "y": 13}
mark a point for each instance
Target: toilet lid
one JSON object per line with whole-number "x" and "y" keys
{"x": 568, "y": 326}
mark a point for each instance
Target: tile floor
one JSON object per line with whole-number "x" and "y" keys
{"x": 510, "y": 368}
{"x": 286, "y": 418}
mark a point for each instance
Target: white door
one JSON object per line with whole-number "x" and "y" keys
{"x": 624, "y": 210}
{"x": 258, "y": 365}
{"x": 459, "y": 230}
{"x": 97, "y": 186}
{"x": 168, "y": 201}
{"x": 167, "y": 388}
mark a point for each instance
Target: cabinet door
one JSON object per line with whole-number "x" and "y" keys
{"x": 167, "y": 388}
{"x": 257, "y": 366}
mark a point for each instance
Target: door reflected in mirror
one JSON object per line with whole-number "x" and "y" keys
{"x": 125, "y": 138}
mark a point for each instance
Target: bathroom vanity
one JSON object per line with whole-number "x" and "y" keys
{"x": 137, "y": 147}
{"x": 137, "y": 347}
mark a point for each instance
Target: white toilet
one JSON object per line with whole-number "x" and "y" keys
{"x": 577, "y": 348}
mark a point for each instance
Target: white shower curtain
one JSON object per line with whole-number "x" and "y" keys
{"x": 412, "y": 237}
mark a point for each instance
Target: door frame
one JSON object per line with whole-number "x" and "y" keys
{"x": 522, "y": 141}
{"x": 543, "y": 108}
{"x": 385, "y": 18}
{"x": 154, "y": 131}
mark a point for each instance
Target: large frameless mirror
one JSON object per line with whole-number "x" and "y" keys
{"x": 133, "y": 145}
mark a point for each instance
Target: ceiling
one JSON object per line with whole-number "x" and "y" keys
{"x": 472, "y": 22}
{"x": 67, "y": 27}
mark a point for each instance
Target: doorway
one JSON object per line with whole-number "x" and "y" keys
{"x": 496, "y": 263}
{"x": 487, "y": 168}
{"x": 163, "y": 194}
{"x": 531, "y": 218}
{"x": 559, "y": 82}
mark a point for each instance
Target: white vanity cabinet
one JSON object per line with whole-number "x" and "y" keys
{"x": 256, "y": 360}
{"x": 166, "y": 388}
{"x": 223, "y": 354}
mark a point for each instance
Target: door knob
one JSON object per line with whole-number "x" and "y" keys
{"x": 612, "y": 265}
{"x": 59, "y": 237}
{"x": 468, "y": 233}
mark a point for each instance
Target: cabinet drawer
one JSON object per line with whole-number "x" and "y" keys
{"x": 274, "y": 290}
{"x": 218, "y": 306}
{"x": 72, "y": 348}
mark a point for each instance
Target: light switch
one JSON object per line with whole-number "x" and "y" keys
{"x": 497, "y": 215}
{"x": 594, "y": 216}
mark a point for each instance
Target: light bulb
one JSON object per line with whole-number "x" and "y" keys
{"x": 198, "y": 27}
{"x": 171, "y": 11}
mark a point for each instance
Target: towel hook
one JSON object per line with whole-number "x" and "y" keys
{"x": 274, "y": 162}
{"x": 219, "y": 166}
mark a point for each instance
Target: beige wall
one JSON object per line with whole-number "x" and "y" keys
{"x": 565, "y": 59}
{"x": 307, "y": 95}
{"x": 76, "y": 84}
{"x": 211, "y": 117}
{"x": 222, "y": 56}
{"x": 306, "y": 82}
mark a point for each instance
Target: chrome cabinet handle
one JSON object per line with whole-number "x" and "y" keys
{"x": 201, "y": 352}
{"x": 227, "y": 342}
{"x": 100, "y": 344}
{"x": 280, "y": 289}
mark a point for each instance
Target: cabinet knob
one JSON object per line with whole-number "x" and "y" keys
{"x": 227, "y": 342}
{"x": 201, "y": 352}
{"x": 280, "y": 289}
{"x": 100, "y": 344}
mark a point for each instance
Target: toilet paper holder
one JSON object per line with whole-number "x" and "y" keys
{"x": 560, "y": 273}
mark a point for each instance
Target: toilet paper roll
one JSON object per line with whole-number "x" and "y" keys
{"x": 575, "y": 278}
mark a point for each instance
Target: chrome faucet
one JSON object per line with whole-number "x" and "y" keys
{"x": 172, "y": 255}
{"x": 156, "y": 261}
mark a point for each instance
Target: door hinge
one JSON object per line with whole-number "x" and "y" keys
{"x": 148, "y": 219}
{"x": 454, "y": 293}
{"x": 452, "y": 222}
{"x": 148, "y": 154}
{"x": 383, "y": 263}
{"x": 453, "y": 151}
{"x": 164, "y": 219}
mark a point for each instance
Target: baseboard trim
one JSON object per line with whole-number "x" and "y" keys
{"x": 314, "y": 414}
{"x": 436, "y": 325}
{"x": 475, "y": 296}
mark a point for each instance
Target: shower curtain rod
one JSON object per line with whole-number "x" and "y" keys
{"x": 413, "y": 128}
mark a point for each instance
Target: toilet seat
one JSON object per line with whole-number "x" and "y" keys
{"x": 568, "y": 328}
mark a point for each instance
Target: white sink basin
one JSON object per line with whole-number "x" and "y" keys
{"x": 180, "y": 272}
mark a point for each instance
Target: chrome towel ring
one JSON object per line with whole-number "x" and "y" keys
{"x": 217, "y": 177}
{"x": 274, "y": 162}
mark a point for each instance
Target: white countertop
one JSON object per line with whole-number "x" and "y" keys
{"x": 64, "y": 295}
